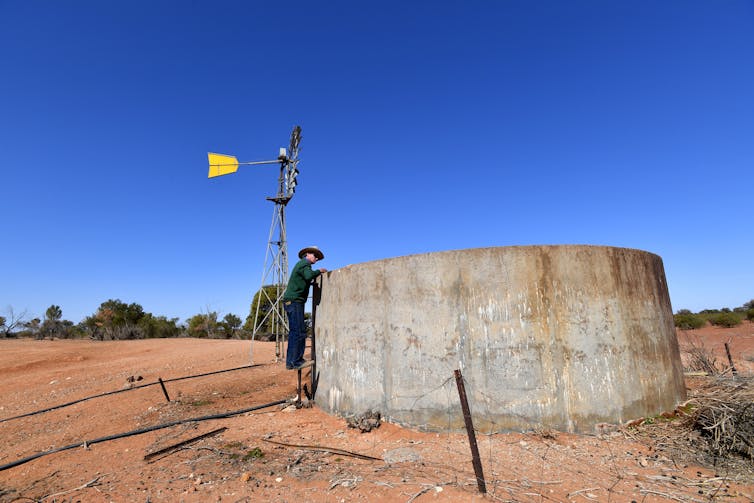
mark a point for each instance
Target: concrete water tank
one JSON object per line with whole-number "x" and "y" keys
{"x": 562, "y": 337}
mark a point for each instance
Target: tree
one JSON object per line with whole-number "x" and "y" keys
{"x": 159, "y": 326}
{"x": 203, "y": 325}
{"x": 10, "y": 322}
{"x": 51, "y": 325}
{"x": 91, "y": 327}
{"x": 115, "y": 320}
{"x": 54, "y": 313}
{"x": 689, "y": 321}
{"x": 264, "y": 298}
{"x": 32, "y": 327}
{"x": 308, "y": 323}
{"x": 709, "y": 311}
{"x": 726, "y": 319}
{"x": 230, "y": 325}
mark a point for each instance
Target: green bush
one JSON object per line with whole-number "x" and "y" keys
{"x": 750, "y": 315}
{"x": 727, "y": 320}
{"x": 709, "y": 312}
{"x": 689, "y": 321}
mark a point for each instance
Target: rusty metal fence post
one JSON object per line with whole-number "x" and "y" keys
{"x": 475, "y": 459}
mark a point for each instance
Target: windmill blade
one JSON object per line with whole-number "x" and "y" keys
{"x": 295, "y": 140}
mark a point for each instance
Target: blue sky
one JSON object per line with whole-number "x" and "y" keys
{"x": 426, "y": 125}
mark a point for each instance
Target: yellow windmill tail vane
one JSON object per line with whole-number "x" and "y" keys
{"x": 220, "y": 164}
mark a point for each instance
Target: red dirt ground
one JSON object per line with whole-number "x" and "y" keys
{"x": 240, "y": 465}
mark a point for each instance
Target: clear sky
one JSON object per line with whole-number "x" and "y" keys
{"x": 427, "y": 126}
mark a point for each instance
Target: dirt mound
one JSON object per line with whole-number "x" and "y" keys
{"x": 284, "y": 453}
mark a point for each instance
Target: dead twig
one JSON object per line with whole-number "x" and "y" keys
{"x": 429, "y": 487}
{"x": 528, "y": 482}
{"x": 724, "y": 414}
{"x": 425, "y": 490}
{"x": 91, "y": 483}
{"x": 175, "y": 447}
{"x": 669, "y": 496}
{"x": 700, "y": 358}
{"x": 349, "y": 481}
{"x": 295, "y": 462}
{"x": 331, "y": 450}
{"x": 574, "y": 493}
{"x": 28, "y": 488}
{"x": 707, "y": 481}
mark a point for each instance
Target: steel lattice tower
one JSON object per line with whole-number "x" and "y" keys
{"x": 275, "y": 272}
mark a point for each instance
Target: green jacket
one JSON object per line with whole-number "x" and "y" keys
{"x": 301, "y": 278}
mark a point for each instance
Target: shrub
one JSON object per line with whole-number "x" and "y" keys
{"x": 689, "y": 321}
{"x": 750, "y": 315}
{"x": 727, "y": 320}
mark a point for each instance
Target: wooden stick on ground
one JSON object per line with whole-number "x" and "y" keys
{"x": 91, "y": 483}
{"x": 331, "y": 450}
{"x": 175, "y": 447}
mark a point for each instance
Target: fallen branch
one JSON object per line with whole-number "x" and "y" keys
{"x": 175, "y": 447}
{"x": 583, "y": 491}
{"x": 30, "y": 486}
{"x": 525, "y": 482}
{"x": 345, "y": 482}
{"x": 91, "y": 483}
{"x": 666, "y": 495}
{"x": 724, "y": 415}
{"x": 426, "y": 489}
{"x": 331, "y": 450}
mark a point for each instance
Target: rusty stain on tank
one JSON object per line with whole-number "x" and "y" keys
{"x": 563, "y": 337}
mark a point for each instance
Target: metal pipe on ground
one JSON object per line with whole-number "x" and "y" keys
{"x": 68, "y": 404}
{"x": 139, "y": 432}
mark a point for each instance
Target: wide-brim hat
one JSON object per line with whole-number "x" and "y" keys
{"x": 313, "y": 250}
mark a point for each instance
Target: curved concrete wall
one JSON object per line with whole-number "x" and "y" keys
{"x": 560, "y": 337}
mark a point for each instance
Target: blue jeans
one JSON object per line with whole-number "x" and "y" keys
{"x": 296, "y": 334}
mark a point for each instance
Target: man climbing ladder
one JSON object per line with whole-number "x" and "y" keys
{"x": 294, "y": 299}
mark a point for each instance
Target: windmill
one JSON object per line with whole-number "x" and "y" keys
{"x": 275, "y": 272}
